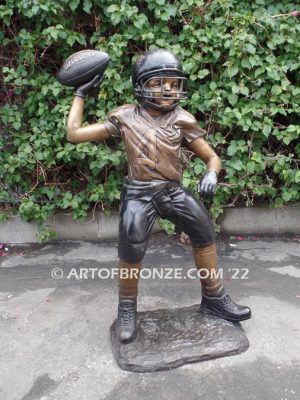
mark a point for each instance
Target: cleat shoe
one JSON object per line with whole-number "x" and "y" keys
{"x": 126, "y": 321}
{"x": 222, "y": 306}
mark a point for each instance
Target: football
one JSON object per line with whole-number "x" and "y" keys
{"x": 82, "y": 66}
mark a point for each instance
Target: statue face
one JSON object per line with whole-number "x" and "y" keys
{"x": 164, "y": 91}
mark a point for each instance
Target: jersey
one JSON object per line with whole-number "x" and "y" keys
{"x": 153, "y": 144}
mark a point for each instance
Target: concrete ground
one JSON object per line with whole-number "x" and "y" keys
{"x": 54, "y": 329}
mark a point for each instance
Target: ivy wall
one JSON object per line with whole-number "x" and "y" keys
{"x": 242, "y": 59}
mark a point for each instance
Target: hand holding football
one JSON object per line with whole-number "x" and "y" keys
{"x": 89, "y": 87}
{"x": 82, "y": 66}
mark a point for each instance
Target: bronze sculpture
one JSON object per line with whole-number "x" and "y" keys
{"x": 153, "y": 132}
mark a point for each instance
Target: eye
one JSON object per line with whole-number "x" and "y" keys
{"x": 154, "y": 83}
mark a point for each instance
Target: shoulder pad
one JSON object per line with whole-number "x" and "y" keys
{"x": 119, "y": 111}
{"x": 185, "y": 118}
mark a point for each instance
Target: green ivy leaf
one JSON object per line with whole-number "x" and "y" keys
{"x": 250, "y": 48}
{"x": 233, "y": 99}
{"x": 232, "y": 71}
{"x": 113, "y": 8}
{"x": 237, "y": 165}
{"x": 203, "y": 73}
{"x": 266, "y": 130}
{"x": 87, "y": 5}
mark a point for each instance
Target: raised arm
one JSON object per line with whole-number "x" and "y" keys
{"x": 76, "y": 133}
{"x": 208, "y": 185}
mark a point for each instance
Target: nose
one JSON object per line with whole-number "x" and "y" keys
{"x": 167, "y": 86}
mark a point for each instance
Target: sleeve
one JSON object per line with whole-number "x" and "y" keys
{"x": 189, "y": 127}
{"x": 114, "y": 123}
{"x": 112, "y": 128}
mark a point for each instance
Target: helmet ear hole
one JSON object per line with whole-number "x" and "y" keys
{"x": 148, "y": 94}
{"x": 137, "y": 89}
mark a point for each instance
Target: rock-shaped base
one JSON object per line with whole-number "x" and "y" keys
{"x": 168, "y": 339}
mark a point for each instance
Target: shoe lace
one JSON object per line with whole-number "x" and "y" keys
{"x": 228, "y": 303}
{"x": 127, "y": 316}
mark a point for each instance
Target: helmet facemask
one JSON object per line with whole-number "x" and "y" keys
{"x": 169, "y": 88}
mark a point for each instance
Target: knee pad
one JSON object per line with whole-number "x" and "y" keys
{"x": 131, "y": 252}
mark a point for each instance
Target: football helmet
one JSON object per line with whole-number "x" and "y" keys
{"x": 158, "y": 64}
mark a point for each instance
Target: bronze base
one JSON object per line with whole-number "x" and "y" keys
{"x": 170, "y": 338}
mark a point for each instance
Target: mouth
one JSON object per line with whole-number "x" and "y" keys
{"x": 166, "y": 98}
{"x": 164, "y": 102}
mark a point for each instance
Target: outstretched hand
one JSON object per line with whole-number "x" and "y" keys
{"x": 89, "y": 87}
{"x": 208, "y": 185}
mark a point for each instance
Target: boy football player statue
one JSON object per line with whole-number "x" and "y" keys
{"x": 154, "y": 131}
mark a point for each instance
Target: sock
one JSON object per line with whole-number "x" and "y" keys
{"x": 206, "y": 261}
{"x": 128, "y": 280}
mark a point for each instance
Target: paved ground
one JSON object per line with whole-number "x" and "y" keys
{"x": 54, "y": 333}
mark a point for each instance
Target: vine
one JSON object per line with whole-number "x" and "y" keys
{"x": 242, "y": 60}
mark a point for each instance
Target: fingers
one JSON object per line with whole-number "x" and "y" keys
{"x": 207, "y": 186}
{"x": 199, "y": 187}
{"x": 96, "y": 81}
{"x": 210, "y": 189}
{"x": 207, "y": 189}
{"x": 89, "y": 87}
